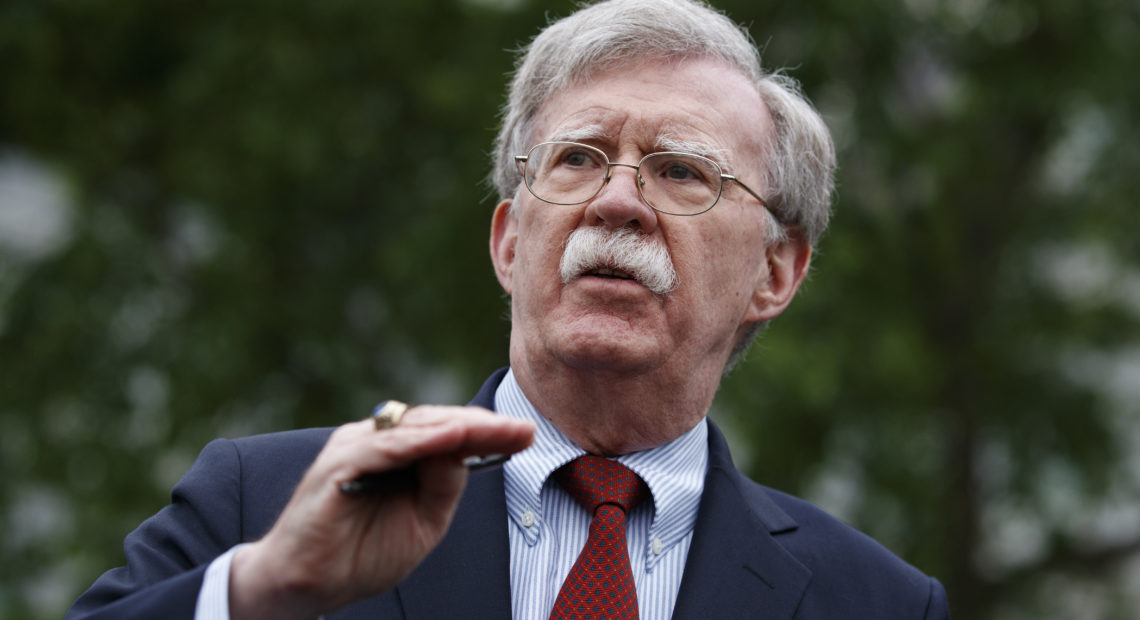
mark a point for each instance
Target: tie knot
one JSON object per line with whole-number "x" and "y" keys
{"x": 594, "y": 480}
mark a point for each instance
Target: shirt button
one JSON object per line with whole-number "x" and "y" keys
{"x": 655, "y": 546}
{"x": 527, "y": 519}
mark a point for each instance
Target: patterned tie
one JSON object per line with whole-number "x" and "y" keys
{"x": 600, "y": 584}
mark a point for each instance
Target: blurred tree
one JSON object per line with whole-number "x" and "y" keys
{"x": 274, "y": 215}
{"x": 959, "y": 378}
{"x": 257, "y": 216}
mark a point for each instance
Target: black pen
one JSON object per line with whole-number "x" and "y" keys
{"x": 404, "y": 479}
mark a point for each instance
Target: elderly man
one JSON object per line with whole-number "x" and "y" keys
{"x": 660, "y": 197}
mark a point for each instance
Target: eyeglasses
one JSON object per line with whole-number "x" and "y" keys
{"x": 568, "y": 173}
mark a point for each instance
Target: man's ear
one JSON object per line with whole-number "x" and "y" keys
{"x": 504, "y": 234}
{"x": 787, "y": 265}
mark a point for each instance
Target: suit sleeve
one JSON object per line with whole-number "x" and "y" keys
{"x": 168, "y": 554}
{"x": 937, "y": 607}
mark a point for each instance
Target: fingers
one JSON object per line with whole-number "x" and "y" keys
{"x": 424, "y": 432}
{"x": 427, "y": 431}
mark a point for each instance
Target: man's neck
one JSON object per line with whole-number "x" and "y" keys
{"x": 611, "y": 413}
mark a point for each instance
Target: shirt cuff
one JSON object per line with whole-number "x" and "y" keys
{"x": 214, "y": 597}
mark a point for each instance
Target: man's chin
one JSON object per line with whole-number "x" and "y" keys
{"x": 605, "y": 342}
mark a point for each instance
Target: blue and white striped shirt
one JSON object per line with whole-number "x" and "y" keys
{"x": 548, "y": 528}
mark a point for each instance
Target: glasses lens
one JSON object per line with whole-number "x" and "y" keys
{"x": 680, "y": 183}
{"x": 564, "y": 172}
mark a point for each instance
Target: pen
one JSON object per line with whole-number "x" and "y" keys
{"x": 404, "y": 479}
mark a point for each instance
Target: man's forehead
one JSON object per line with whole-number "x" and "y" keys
{"x": 698, "y": 105}
{"x": 666, "y": 137}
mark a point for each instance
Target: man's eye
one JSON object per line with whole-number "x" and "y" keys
{"x": 679, "y": 172}
{"x": 575, "y": 159}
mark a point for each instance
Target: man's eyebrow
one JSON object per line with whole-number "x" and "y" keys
{"x": 578, "y": 134}
{"x": 670, "y": 143}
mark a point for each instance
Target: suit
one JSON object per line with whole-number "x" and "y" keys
{"x": 756, "y": 552}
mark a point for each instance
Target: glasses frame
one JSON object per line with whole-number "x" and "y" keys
{"x": 521, "y": 163}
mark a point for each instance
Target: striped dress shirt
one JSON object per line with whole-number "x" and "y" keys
{"x": 548, "y": 528}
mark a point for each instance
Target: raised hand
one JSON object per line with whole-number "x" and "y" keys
{"x": 329, "y": 548}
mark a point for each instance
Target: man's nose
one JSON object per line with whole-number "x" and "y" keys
{"x": 620, "y": 204}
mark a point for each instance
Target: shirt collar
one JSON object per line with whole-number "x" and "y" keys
{"x": 674, "y": 472}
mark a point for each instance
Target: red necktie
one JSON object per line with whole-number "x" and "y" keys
{"x": 600, "y": 584}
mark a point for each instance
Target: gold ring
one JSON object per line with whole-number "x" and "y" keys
{"x": 387, "y": 414}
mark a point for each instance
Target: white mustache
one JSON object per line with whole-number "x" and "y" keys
{"x": 625, "y": 250}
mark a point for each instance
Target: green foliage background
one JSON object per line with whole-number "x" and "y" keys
{"x": 266, "y": 215}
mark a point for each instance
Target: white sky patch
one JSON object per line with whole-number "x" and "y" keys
{"x": 1069, "y": 162}
{"x": 1017, "y": 537}
{"x": 1117, "y": 373}
{"x": 35, "y": 212}
{"x": 1089, "y": 274}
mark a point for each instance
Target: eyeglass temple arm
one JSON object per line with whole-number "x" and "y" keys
{"x": 729, "y": 177}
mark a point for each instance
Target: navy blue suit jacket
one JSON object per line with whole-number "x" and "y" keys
{"x": 756, "y": 553}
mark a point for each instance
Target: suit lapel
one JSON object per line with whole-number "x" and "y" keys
{"x": 735, "y": 566}
{"x": 468, "y": 574}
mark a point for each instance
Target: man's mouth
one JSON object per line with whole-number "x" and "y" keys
{"x": 624, "y": 254}
{"x": 606, "y": 272}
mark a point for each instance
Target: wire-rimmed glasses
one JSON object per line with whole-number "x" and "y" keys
{"x": 569, "y": 173}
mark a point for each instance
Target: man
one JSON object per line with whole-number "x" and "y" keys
{"x": 660, "y": 197}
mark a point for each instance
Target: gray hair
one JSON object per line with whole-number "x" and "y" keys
{"x": 801, "y": 156}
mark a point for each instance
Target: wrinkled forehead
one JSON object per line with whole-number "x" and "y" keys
{"x": 663, "y": 139}
{"x": 702, "y": 106}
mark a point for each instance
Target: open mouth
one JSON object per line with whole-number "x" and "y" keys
{"x": 606, "y": 272}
